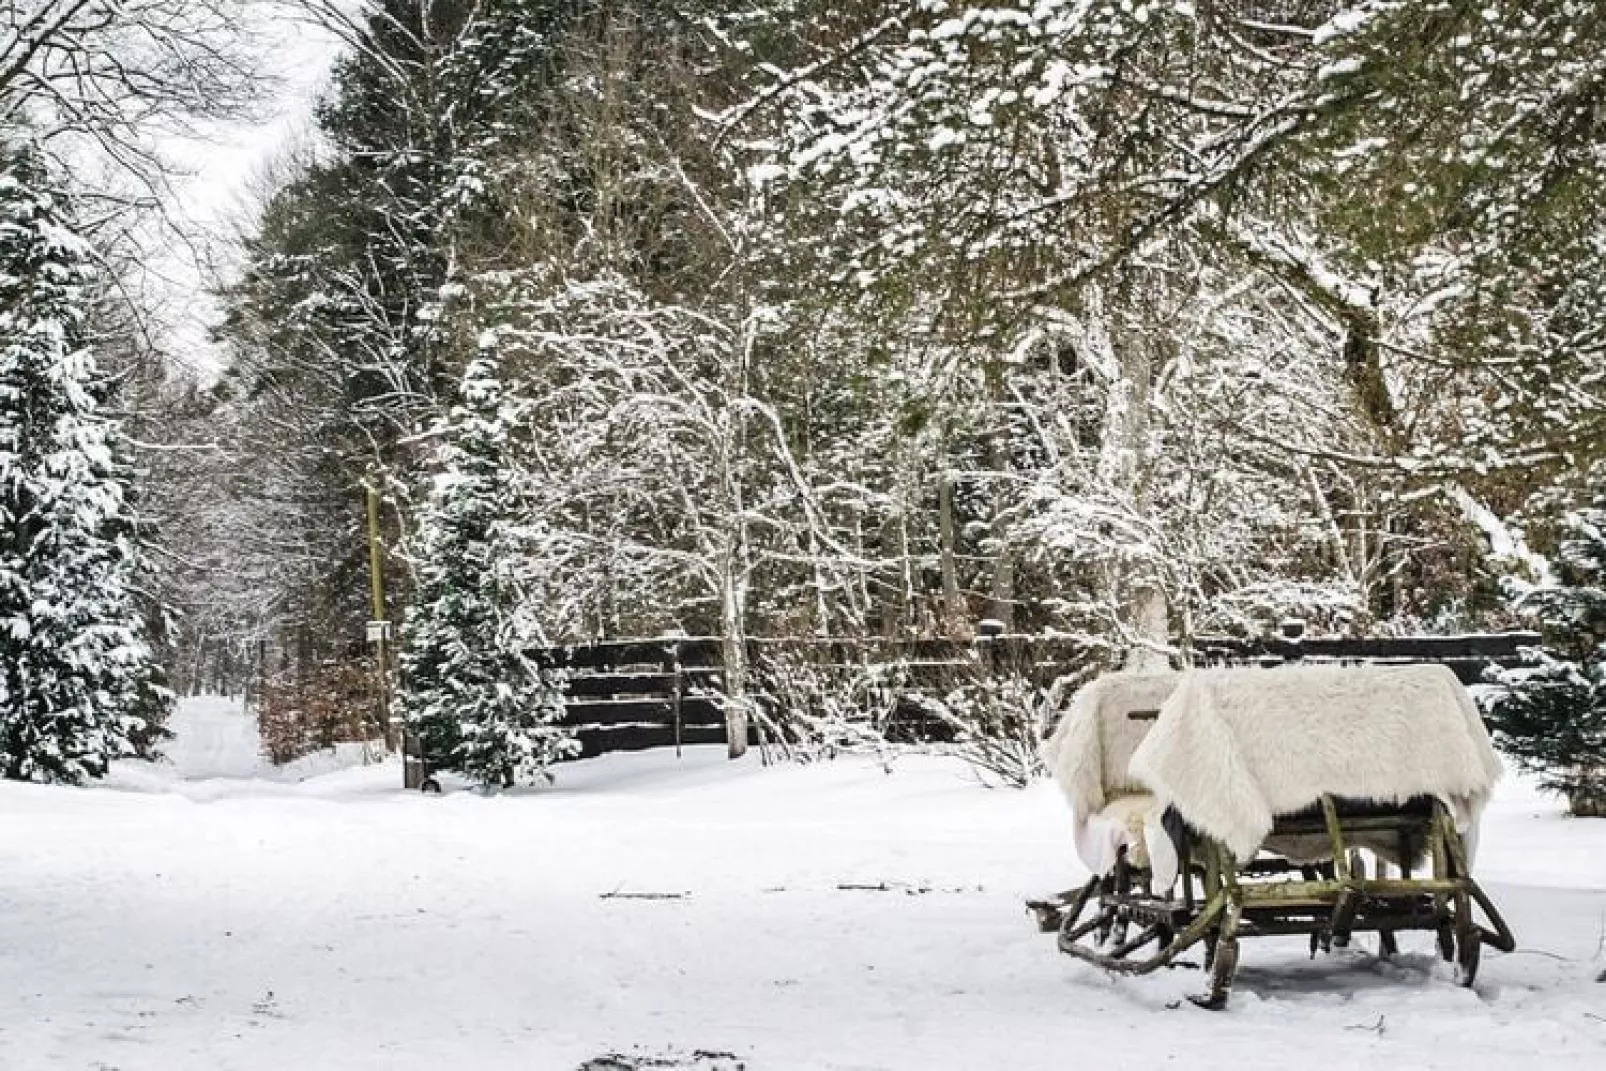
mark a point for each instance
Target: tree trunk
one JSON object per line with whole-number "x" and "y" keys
{"x": 1001, "y": 591}
{"x": 735, "y": 566}
{"x": 1363, "y": 367}
{"x": 733, "y": 648}
{"x": 822, "y": 610}
{"x": 1124, "y": 465}
{"x": 1150, "y": 624}
{"x": 908, "y": 615}
{"x": 954, "y": 611}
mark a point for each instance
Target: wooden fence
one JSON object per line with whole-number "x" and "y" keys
{"x": 631, "y": 695}
{"x": 637, "y": 694}
{"x": 1469, "y": 656}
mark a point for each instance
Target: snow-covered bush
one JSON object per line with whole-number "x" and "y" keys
{"x": 997, "y": 726}
{"x": 823, "y": 711}
{"x": 1552, "y": 720}
{"x": 984, "y": 706}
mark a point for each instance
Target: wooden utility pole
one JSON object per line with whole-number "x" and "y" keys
{"x": 379, "y": 626}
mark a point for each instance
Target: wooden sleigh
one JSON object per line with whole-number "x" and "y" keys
{"x": 1113, "y": 922}
{"x": 1309, "y": 878}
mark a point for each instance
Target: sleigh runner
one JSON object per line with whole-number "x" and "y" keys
{"x": 1223, "y": 804}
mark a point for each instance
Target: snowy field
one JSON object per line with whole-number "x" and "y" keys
{"x": 214, "y": 915}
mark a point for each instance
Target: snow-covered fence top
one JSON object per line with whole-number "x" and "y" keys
{"x": 1013, "y": 650}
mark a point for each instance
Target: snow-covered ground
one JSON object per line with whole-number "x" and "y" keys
{"x": 212, "y": 915}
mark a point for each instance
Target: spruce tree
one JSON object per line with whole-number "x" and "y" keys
{"x": 478, "y": 703}
{"x": 78, "y": 684}
{"x": 1552, "y": 718}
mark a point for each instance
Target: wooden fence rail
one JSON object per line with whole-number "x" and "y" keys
{"x": 631, "y": 695}
{"x": 1469, "y": 656}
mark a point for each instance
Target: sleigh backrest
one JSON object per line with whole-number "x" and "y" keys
{"x": 1089, "y": 750}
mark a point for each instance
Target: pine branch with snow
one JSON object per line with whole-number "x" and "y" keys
{"x": 1551, "y": 717}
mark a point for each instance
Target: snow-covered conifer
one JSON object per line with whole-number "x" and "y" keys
{"x": 478, "y": 703}
{"x": 1552, "y": 718}
{"x": 78, "y": 684}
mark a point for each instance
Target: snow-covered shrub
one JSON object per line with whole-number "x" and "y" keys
{"x": 299, "y": 713}
{"x": 821, "y": 711}
{"x": 998, "y": 725}
{"x": 985, "y": 706}
{"x": 1552, "y": 720}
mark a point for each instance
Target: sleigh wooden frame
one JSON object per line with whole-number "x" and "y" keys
{"x": 1116, "y": 923}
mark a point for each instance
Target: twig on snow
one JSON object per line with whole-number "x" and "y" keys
{"x": 882, "y": 886}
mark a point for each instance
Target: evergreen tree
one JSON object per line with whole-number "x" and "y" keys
{"x": 78, "y": 684}
{"x": 478, "y": 703}
{"x": 1552, "y": 718}
{"x": 345, "y": 328}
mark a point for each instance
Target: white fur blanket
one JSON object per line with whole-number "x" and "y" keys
{"x": 1233, "y": 748}
{"x": 1088, "y": 754}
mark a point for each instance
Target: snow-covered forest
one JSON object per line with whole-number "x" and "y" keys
{"x": 779, "y": 325}
{"x": 1129, "y": 321}
{"x": 1132, "y": 321}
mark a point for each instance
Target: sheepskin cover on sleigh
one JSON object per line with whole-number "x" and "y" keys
{"x": 1233, "y": 748}
{"x": 1088, "y": 753}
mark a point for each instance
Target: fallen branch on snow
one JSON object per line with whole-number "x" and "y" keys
{"x": 899, "y": 886}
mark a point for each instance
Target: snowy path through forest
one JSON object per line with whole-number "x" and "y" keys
{"x": 215, "y": 752}
{"x": 163, "y": 924}
{"x": 212, "y": 738}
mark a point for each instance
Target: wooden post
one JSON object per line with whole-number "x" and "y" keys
{"x": 675, "y": 668}
{"x": 380, "y": 627}
{"x": 988, "y": 632}
{"x": 1335, "y": 834}
{"x": 1293, "y": 637}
